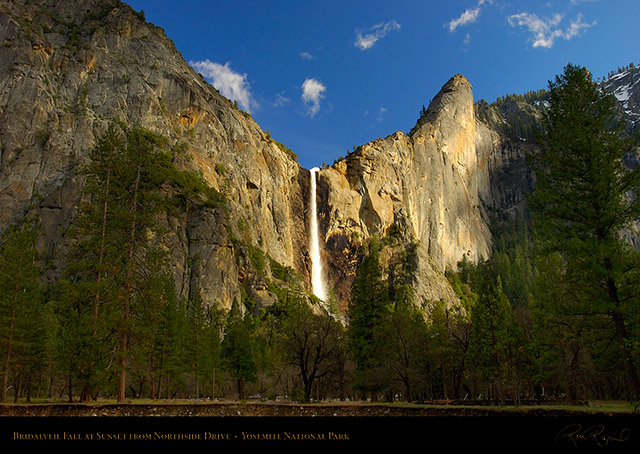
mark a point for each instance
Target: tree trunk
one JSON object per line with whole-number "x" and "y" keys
{"x": 124, "y": 334}
{"x": 621, "y": 333}
{"x": 240, "y": 389}
{"x": 7, "y": 356}
{"x": 213, "y": 382}
{"x": 101, "y": 252}
{"x": 629, "y": 365}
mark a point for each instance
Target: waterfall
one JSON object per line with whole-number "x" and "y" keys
{"x": 317, "y": 279}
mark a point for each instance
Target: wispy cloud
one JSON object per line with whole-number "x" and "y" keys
{"x": 281, "y": 100}
{"x": 470, "y": 15}
{"x": 375, "y": 33}
{"x": 545, "y": 31}
{"x": 307, "y": 56}
{"x": 231, "y": 84}
{"x": 381, "y": 113}
{"x": 312, "y": 93}
{"x": 577, "y": 26}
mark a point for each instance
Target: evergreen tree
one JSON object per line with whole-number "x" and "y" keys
{"x": 115, "y": 262}
{"x": 212, "y": 349}
{"x": 495, "y": 342}
{"x": 402, "y": 335}
{"x": 84, "y": 302}
{"x": 21, "y": 310}
{"x": 369, "y": 304}
{"x": 449, "y": 337}
{"x": 204, "y": 343}
{"x": 561, "y": 336}
{"x": 167, "y": 358}
{"x": 584, "y": 199}
{"x": 156, "y": 301}
{"x": 239, "y": 349}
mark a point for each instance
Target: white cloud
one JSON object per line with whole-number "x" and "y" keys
{"x": 381, "y": 113}
{"x": 467, "y": 17}
{"x": 281, "y": 100}
{"x": 546, "y": 31}
{"x": 307, "y": 56}
{"x": 376, "y": 33}
{"x": 312, "y": 93}
{"x": 231, "y": 84}
{"x": 576, "y": 27}
{"x": 470, "y": 15}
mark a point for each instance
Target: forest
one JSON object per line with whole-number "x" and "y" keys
{"x": 553, "y": 314}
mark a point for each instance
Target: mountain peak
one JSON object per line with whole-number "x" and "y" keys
{"x": 456, "y": 90}
{"x": 455, "y": 98}
{"x": 455, "y": 82}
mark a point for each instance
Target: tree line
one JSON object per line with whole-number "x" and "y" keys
{"x": 552, "y": 314}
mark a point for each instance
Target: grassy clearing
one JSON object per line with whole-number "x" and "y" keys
{"x": 598, "y": 406}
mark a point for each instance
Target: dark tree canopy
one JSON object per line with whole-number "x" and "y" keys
{"x": 584, "y": 199}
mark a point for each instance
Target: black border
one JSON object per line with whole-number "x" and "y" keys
{"x": 567, "y": 433}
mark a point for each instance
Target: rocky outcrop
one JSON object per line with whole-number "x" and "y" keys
{"x": 68, "y": 71}
{"x": 426, "y": 187}
{"x": 625, "y": 86}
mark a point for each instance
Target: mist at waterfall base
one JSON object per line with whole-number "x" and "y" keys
{"x": 318, "y": 285}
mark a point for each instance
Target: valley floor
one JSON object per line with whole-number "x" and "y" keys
{"x": 600, "y": 424}
{"x": 190, "y": 408}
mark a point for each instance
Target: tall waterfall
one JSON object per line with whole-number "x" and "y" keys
{"x": 317, "y": 279}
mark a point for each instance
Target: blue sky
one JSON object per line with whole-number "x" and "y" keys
{"x": 323, "y": 76}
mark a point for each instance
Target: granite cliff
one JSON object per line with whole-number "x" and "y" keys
{"x": 67, "y": 72}
{"x": 438, "y": 186}
{"x": 430, "y": 194}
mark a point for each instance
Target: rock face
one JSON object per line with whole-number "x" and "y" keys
{"x": 426, "y": 186}
{"x": 625, "y": 86}
{"x": 67, "y": 71}
{"x": 505, "y": 177}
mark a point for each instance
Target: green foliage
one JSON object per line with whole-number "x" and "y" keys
{"x": 490, "y": 343}
{"x": 21, "y": 312}
{"x": 369, "y": 303}
{"x": 581, "y": 207}
{"x": 513, "y": 260}
{"x": 495, "y": 340}
{"x": 386, "y": 333}
{"x": 282, "y": 147}
{"x": 117, "y": 280}
{"x": 281, "y": 272}
{"x": 239, "y": 349}
{"x": 257, "y": 258}
{"x": 309, "y": 343}
{"x": 402, "y": 335}
{"x": 221, "y": 169}
{"x": 203, "y": 330}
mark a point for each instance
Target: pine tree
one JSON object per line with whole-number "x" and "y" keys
{"x": 368, "y": 305}
{"x": 239, "y": 349}
{"x": 561, "y": 336}
{"x": 21, "y": 336}
{"x": 584, "y": 199}
{"x": 203, "y": 343}
{"x": 115, "y": 263}
{"x": 167, "y": 356}
{"x": 402, "y": 336}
